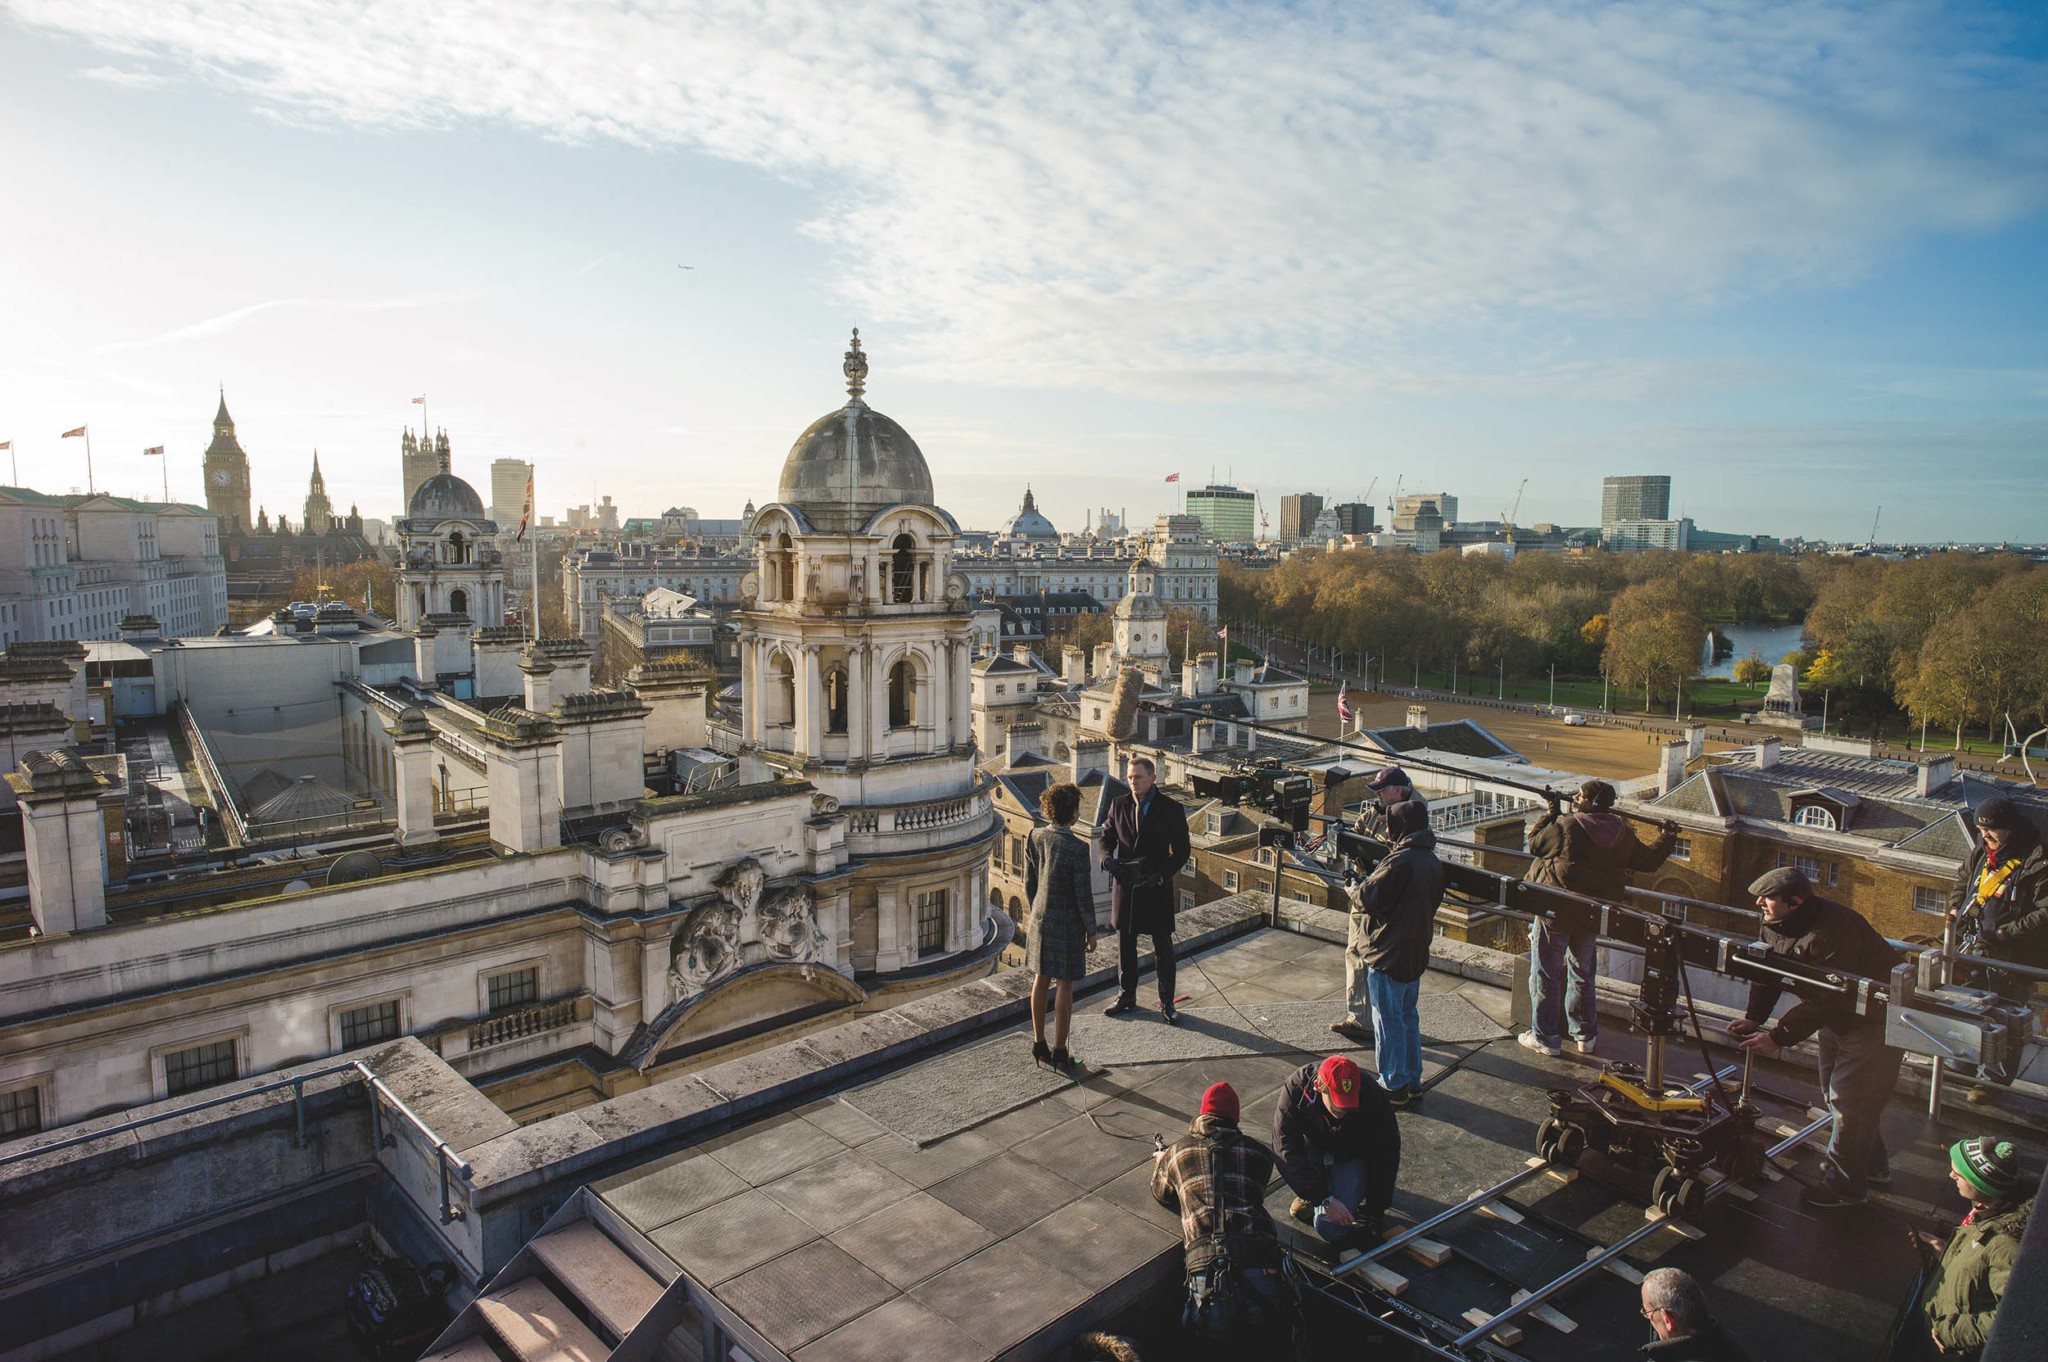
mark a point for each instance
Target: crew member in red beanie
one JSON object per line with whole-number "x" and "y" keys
{"x": 1215, "y": 1177}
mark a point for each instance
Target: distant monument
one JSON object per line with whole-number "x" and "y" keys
{"x": 1781, "y": 705}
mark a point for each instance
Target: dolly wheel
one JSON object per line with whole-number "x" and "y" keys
{"x": 1571, "y": 1142}
{"x": 1690, "y": 1199}
{"x": 1662, "y": 1189}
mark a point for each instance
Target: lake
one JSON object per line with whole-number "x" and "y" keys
{"x": 1769, "y": 641}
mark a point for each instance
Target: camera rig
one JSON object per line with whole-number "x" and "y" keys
{"x": 1269, "y": 785}
{"x": 1633, "y": 1113}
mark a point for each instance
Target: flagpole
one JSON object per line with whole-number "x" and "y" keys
{"x": 166, "y": 459}
{"x": 89, "y": 488}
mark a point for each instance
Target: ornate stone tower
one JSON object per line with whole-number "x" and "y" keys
{"x": 226, "y": 470}
{"x": 319, "y": 517}
{"x": 1139, "y": 623}
{"x": 448, "y": 566}
{"x": 855, "y": 649}
{"x": 421, "y": 459}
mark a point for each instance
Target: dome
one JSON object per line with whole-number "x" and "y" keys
{"x": 853, "y": 462}
{"x": 1028, "y": 524}
{"x": 1140, "y": 605}
{"x": 445, "y": 497}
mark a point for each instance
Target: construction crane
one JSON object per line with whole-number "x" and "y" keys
{"x": 1367, "y": 498}
{"x": 1259, "y": 500}
{"x": 1393, "y": 502}
{"x": 1507, "y": 517}
{"x": 1872, "y": 541}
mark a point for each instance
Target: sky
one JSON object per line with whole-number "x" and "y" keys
{"x": 1791, "y": 255}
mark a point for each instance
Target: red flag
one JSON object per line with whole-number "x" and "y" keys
{"x": 1223, "y": 634}
{"x": 1344, "y": 702}
{"x": 69, "y": 433}
{"x": 154, "y": 451}
{"x": 1173, "y": 477}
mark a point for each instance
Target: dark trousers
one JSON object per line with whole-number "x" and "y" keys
{"x": 1857, "y": 1074}
{"x": 1127, "y": 961}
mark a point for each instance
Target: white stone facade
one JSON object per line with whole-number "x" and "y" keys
{"x": 75, "y": 567}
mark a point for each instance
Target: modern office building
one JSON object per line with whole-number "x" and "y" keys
{"x": 508, "y": 490}
{"x": 1672, "y": 536}
{"x": 1420, "y": 506}
{"x": 1228, "y": 514}
{"x": 1634, "y": 498}
{"x": 1298, "y": 514}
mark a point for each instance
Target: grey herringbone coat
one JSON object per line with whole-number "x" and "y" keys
{"x": 1062, "y": 912}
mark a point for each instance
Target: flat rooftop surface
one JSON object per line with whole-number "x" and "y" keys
{"x": 837, "y": 1240}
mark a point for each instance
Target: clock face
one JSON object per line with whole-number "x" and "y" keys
{"x": 221, "y": 477}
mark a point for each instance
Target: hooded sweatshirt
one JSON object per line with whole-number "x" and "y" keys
{"x": 1592, "y": 852}
{"x": 1400, "y": 897}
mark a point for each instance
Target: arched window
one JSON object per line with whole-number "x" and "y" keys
{"x": 458, "y": 548}
{"x": 902, "y": 569}
{"x": 784, "y": 568}
{"x": 458, "y": 601}
{"x": 835, "y": 699}
{"x": 781, "y": 706}
{"x": 1814, "y": 816}
{"x": 902, "y": 695}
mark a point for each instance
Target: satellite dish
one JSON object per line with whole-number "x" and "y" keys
{"x": 354, "y": 867}
{"x": 298, "y": 887}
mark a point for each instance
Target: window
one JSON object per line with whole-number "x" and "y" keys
{"x": 902, "y": 696}
{"x": 370, "y": 1024}
{"x": 1230, "y": 881}
{"x": 1834, "y": 868}
{"x": 1931, "y": 901}
{"x": 931, "y": 921}
{"x": 1681, "y": 850}
{"x": 513, "y": 988}
{"x": 1187, "y": 899}
{"x": 202, "y": 1066}
{"x": 1808, "y": 866}
{"x": 21, "y": 1112}
{"x": 1814, "y": 816}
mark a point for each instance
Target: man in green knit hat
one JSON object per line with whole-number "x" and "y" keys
{"x": 1964, "y": 1286}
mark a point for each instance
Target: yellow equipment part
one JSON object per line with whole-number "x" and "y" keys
{"x": 1641, "y": 1097}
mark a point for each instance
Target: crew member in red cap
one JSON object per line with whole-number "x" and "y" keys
{"x": 1215, "y": 1176}
{"x": 1339, "y": 1149}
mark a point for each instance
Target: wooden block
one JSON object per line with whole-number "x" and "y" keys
{"x": 1562, "y": 1174}
{"x": 1508, "y": 1335}
{"x": 1815, "y": 1113}
{"x": 1383, "y": 1278}
{"x": 1740, "y": 1192}
{"x": 1786, "y": 1128}
{"x": 1556, "y": 1319}
{"x": 1774, "y": 1173}
{"x": 1684, "y": 1227}
{"x": 1617, "y": 1267}
{"x": 1426, "y": 1251}
{"x": 1502, "y": 1211}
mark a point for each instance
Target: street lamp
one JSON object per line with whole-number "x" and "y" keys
{"x": 1553, "y": 685}
{"x": 1501, "y": 682}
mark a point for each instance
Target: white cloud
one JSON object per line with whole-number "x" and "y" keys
{"x": 228, "y": 321}
{"x": 1215, "y": 201}
{"x": 128, "y": 76}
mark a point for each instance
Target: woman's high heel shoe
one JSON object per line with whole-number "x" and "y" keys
{"x": 1039, "y": 1054}
{"x": 1064, "y": 1062}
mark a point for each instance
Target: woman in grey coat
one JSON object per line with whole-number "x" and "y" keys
{"x": 1060, "y": 929}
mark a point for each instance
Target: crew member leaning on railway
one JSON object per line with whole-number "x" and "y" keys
{"x": 2000, "y": 902}
{"x": 1339, "y": 1148}
{"x": 1965, "y": 1285}
{"x": 1857, "y": 1069}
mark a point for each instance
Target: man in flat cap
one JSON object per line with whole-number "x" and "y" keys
{"x": 1857, "y": 1069}
{"x": 2000, "y": 902}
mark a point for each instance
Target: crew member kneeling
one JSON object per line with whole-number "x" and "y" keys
{"x": 1215, "y": 1176}
{"x": 1339, "y": 1149}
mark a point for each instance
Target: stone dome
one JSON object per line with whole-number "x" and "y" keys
{"x": 1140, "y": 605}
{"x": 1028, "y": 524}
{"x": 445, "y": 497}
{"x": 853, "y": 462}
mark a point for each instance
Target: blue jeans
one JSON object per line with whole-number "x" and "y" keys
{"x": 1561, "y": 971}
{"x": 1347, "y": 1184}
{"x": 1857, "y": 1074}
{"x": 1397, "y": 1038}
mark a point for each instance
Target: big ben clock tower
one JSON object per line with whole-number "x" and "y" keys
{"x": 227, "y": 474}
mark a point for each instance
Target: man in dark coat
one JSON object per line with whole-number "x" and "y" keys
{"x": 1144, "y": 840}
{"x": 1589, "y": 851}
{"x": 2000, "y": 902}
{"x": 1393, "y": 916}
{"x": 1857, "y": 1069}
{"x": 1339, "y": 1149}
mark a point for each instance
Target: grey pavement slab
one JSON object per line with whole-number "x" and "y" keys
{"x": 805, "y": 1294}
{"x": 1006, "y": 1199}
{"x": 1001, "y": 1295}
{"x": 912, "y": 1239}
{"x": 732, "y": 1236}
{"x": 923, "y": 1165}
{"x": 772, "y": 1149}
{"x": 1084, "y": 1153}
{"x": 1132, "y": 1194}
{"x": 955, "y": 1091}
{"x": 900, "y": 1330}
{"x": 1096, "y": 1241}
{"x": 841, "y": 1122}
{"x": 669, "y": 1189}
{"x": 837, "y": 1190}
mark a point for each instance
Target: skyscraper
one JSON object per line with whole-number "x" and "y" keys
{"x": 1298, "y": 514}
{"x": 1634, "y": 498}
{"x": 508, "y": 490}
{"x": 1422, "y": 505}
{"x": 1228, "y": 514}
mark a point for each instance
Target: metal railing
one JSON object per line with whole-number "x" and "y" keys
{"x": 445, "y": 1155}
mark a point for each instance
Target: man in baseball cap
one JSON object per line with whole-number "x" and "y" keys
{"x": 1965, "y": 1284}
{"x": 1339, "y": 1149}
{"x": 1857, "y": 1069}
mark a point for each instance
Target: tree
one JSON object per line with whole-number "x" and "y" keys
{"x": 372, "y": 579}
{"x": 1594, "y": 631}
{"x": 1653, "y": 638}
{"x": 1752, "y": 671}
{"x": 1826, "y": 672}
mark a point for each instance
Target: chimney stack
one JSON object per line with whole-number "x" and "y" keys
{"x": 1418, "y": 716}
{"x": 1671, "y": 766}
{"x": 1073, "y": 665}
{"x": 1932, "y": 774}
{"x": 1767, "y": 754}
{"x": 412, "y": 744}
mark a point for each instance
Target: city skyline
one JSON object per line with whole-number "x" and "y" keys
{"x": 1789, "y": 259}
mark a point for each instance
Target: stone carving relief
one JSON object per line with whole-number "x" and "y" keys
{"x": 746, "y": 924}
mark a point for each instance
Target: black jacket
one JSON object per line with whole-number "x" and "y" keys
{"x": 1303, "y": 1132}
{"x": 1822, "y": 932}
{"x": 1711, "y": 1344}
{"x": 2020, "y": 908}
{"x": 1592, "y": 852}
{"x": 1158, "y": 845}
{"x": 1400, "y": 898}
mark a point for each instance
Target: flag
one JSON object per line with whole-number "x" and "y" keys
{"x": 69, "y": 433}
{"x": 6, "y": 444}
{"x": 1223, "y": 635}
{"x": 1173, "y": 477}
{"x": 1344, "y": 702}
{"x": 525, "y": 511}
{"x": 420, "y": 401}
{"x": 154, "y": 452}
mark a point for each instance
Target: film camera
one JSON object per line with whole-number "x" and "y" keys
{"x": 1268, "y": 785}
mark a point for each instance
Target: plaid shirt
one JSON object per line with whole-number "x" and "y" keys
{"x": 1216, "y": 1162}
